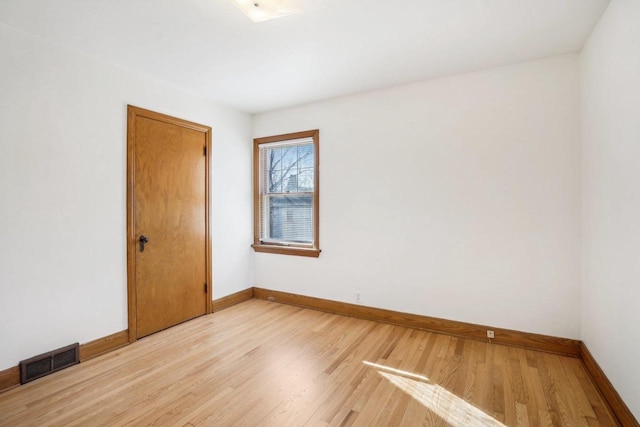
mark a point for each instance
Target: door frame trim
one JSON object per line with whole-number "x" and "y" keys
{"x": 132, "y": 114}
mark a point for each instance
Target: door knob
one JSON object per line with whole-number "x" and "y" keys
{"x": 143, "y": 240}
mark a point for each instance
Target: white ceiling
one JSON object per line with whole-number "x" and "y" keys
{"x": 335, "y": 47}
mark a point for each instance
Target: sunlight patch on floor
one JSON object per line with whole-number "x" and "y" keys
{"x": 451, "y": 408}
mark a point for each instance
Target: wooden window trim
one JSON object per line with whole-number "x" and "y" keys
{"x": 312, "y": 250}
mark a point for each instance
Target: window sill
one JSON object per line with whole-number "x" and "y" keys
{"x": 286, "y": 250}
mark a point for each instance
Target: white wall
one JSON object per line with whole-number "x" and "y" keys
{"x": 456, "y": 198}
{"x": 62, "y": 193}
{"x": 611, "y": 199}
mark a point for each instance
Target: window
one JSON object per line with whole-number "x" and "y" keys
{"x": 285, "y": 194}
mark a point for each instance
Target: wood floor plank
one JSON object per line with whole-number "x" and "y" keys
{"x": 267, "y": 364}
{"x": 582, "y": 402}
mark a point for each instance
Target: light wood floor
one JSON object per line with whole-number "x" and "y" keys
{"x": 261, "y": 363}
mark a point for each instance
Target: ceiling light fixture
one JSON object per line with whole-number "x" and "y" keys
{"x": 264, "y": 10}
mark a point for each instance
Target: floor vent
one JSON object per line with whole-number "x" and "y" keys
{"x": 48, "y": 363}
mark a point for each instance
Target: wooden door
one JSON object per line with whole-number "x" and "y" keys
{"x": 168, "y": 246}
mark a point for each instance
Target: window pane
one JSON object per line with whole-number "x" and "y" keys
{"x": 274, "y": 158}
{"x": 275, "y": 182}
{"x": 305, "y": 180}
{"x": 289, "y": 158}
{"x": 305, "y": 156}
{"x": 289, "y": 168}
{"x": 290, "y": 182}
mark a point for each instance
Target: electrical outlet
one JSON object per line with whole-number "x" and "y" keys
{"x": 358, "y": 296}
{"x": 490, "y": 334}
